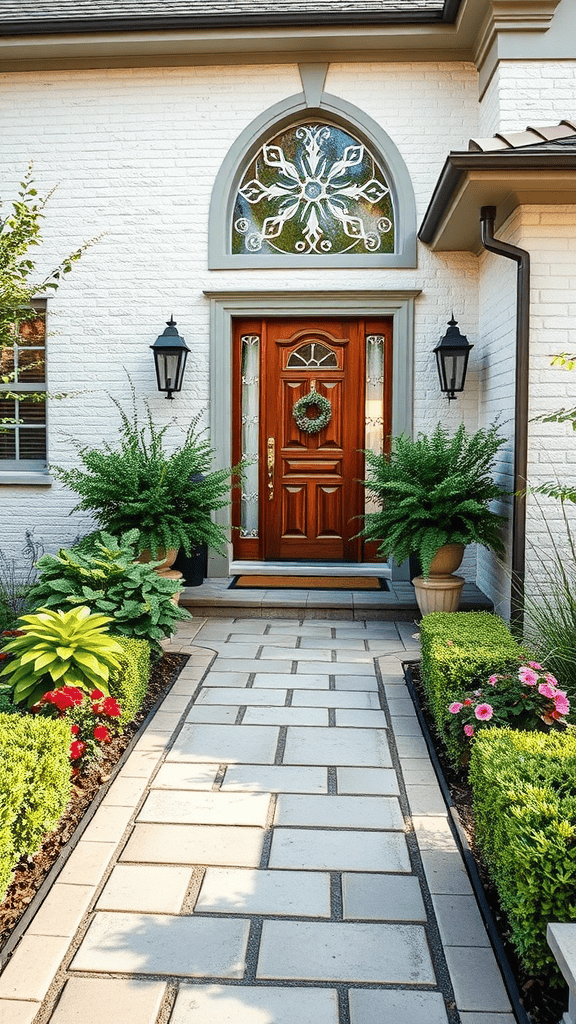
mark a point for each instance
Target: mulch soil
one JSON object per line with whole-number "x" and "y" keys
{"x": 543, "y": 1001}
{"x": 31, "y": 871}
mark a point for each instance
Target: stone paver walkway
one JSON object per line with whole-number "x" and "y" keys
{"x": 276, "y": 850}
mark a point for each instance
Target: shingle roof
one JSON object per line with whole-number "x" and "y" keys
{"x": 549, "y": 138}
{"x": 17, "y": 16}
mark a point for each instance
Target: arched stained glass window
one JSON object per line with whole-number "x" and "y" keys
{"x": 313, "y": 354}
{"x": 313, "y": 189}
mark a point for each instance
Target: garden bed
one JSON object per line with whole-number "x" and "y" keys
{"x": 543, "y": 1002}
{"x": 31, "y": 871}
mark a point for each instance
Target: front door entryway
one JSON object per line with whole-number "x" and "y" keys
{"x": 310, "y": 395}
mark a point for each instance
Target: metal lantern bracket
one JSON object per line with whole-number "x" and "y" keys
{"x": 170, "y": 354}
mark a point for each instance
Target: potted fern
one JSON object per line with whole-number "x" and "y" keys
{"x": 135, "y": 484}
{"x": 435, "y": 494}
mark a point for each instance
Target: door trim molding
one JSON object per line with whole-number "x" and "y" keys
{"x": 225, "y": 305}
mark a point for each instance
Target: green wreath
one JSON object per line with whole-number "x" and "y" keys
{"x": 300, "y": 413}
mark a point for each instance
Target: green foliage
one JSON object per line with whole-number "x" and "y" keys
{"x": 460, "y": 650}
{"x": 524, "y": 787}
{"x": 169, "y": 498}
{"x": 101, "y": 573}
{"x": 434, "y": 491}
{"x": 34, "y": 785}
{"x": 61, "y": 648}
{"x": 16, "y": 582}
{"x": 130, "y": 684}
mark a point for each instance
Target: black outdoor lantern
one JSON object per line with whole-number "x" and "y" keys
{"x": 170, "y": 352}
{"x": 452, "y": 353}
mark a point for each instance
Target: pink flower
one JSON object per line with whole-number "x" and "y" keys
{"x": 561, "y": 703}
{"x": 469, "y": 730}
{"x": 455, "y": 707}
{"x": 484, "y": 712}
{"x": 551, "y": 679}
{"x": 527, "y": 676}
{"x": 493, "y": 679}
{"x": 534, "y": 664}
{"x": 546, "y": 690}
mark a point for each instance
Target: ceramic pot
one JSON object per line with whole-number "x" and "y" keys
{"x": 447, "y": 559}
{"x": 167, "y": 558}
{"x": 441, "y": 591}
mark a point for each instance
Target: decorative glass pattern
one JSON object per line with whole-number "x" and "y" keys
{"x": 313, "y": 354}
{"x": 374, "y": 412}
{"x": 250, "y": 430}
{"x": 314, "y": 188}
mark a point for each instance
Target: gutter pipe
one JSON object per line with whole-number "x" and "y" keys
{"x": 522, "y": 259}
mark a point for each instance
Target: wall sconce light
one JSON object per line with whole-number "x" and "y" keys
{"x": 452, "y": 353}
{"x": 170, "y": 353}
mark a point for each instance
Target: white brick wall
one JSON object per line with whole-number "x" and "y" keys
{"x": 528, "y": 92}
{"x": 135, "y": 153}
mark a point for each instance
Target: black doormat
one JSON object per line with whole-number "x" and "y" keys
{"x": 276, "y": 582}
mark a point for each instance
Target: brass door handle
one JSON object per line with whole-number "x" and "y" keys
{"x": 271, "y": 459}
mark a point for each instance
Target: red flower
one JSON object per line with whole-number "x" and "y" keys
{"x": 74, "y": 729}
{"x": 61, "y": 699}
{"x": 96, "y": 695}
{"x": 75, "y": 695}
{"x": 111, "y": 708}
{"x": 77, "y": 748}
{"x": 101, "y": 733}
{"x": 3, "y": 656}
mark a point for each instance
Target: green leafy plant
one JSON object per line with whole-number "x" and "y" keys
{"x": 136, "y": 484}
{"x": 524, "y": 790}
{"x": 101, "y": 573}
{"x": 68, "y": 648}
{"x": 433, "y": 491}
{"x": 16, "y": 581}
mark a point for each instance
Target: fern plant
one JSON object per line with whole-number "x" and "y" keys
{"x": 136, "y": 484}
{"x": 433, "y": 491}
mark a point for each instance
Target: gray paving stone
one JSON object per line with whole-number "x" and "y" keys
{"x": 108, "y": 824}
{"x": 231, "y": 678}
{"x": 306, "y": 629}
{"x": 238, "y": 696}
{"x": 358, "y": 747}
{"x": 109, "y": 1001}
{"x": 333, "y": 699}
{"x": 359, "y": 719}
{"x": 289, "y": 681}
{"x": 285, "y": 716}
{"x": 425, "y": 799}
{"x": 367, "y": 812}
{"x": 171, "y": 703}
{"x": 487, "y": 1018}
{"x": 403, "y": 725}
{"x": 277, "y": 640}
{"x": 445, "y": 873}
{"x": 231, "y": 650}
{"x": 411, "y": 746}
{"x": 376, "y": 781}
{"x": 62, "y": 910}
{"x": 433, "y": 832}
{"x": 185, "y": 776}
{"x": 194, "y": 844}
{"x": 324, "y": 850}
{"x": 355, "y": 682}
{"x": 222, "y": 667}
{"x": 320, "y": 653}
{"x": 338, "y": 644}
{"x": 382, "y": 897}
{"x": 418, "y": 772}
{"x": 252, "y": 744}
{"x": 400, "y": 706}
{"x": 476, "y": 979}
{"x": 188, "y": 808}
{"x": 16, "y": 1011}
{"x": 244, "y": 891}
{"x": 148, "y": 888}
{"x": 340, "y": 668}
{"x": 213, "y": 714}
{"x": 264, "y": 1004}
{"x": 403, "y": 1007}
{"x": 192, "y": 947}
{"x": 345, "y": 952}
{"x": 275, "y": 779}
{"x": 460, "y": 921}
{"x": 125, "y": 791}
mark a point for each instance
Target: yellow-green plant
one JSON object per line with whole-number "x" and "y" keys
{"x": 60, "y": 648}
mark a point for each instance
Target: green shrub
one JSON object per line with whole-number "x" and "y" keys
{"x": 34, "y": 785}
{"x": 460, "y": 650}
{"x": 130, "y": 685}
{"x": 102, "y": 574}
{"x": 524, "y": 787}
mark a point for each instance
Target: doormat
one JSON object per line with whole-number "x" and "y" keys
{"x": 308, "y": 583}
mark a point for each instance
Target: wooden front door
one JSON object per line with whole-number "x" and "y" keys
{"x": 309, "y": 493}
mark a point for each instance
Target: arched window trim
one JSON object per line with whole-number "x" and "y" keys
{"x": 273, "y": 121}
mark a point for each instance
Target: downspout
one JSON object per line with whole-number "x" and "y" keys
{"x": 522, "y": 258}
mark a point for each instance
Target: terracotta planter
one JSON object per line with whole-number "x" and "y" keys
{"x": 168, "y": 558}
{"x": 441, "y": 591}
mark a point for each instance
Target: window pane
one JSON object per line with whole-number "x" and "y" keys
{"x": 374, "y": 412}
{"x": 32, "y": 332}
{"x": 32, "y": 412}
{"x": 313, "y": 188}
{"x": 7, "y": 443}
{"x": 32, "y": 443}
{"x": 31, "y": 365}
{"x": 7, "y": 363}
{"x": 313, "y": 354}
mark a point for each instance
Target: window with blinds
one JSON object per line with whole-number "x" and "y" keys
{"x": 23, "y": 397}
